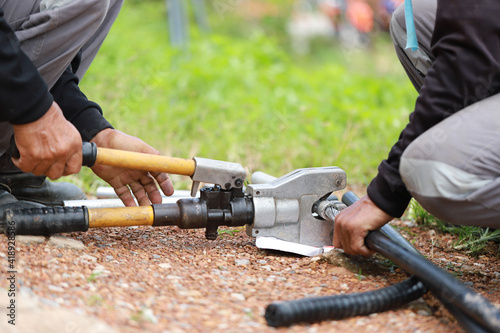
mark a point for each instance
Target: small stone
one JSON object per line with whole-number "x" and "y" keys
{"x": 238, "y": 297}
{"x": 53, "y": 261}
{"x": 155, "y": 256}
{"x": 109, "y": 258}
{"x": 48, "y": 302}
{"x": 65, "y": 242}
{"x": 242, "y": 262}
{"x": 469, "y": 283}
{"x": 29, "y": 240}
{"x": 165, "y": 265}
{"x": 100, "y": 271}
{"x": 125, "y": 305}
{"x": 409, "y": 224}
{"x": 423, "y": 313}
{"x": 55, "y": 288}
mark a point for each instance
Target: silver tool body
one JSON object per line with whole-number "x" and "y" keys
{"x": 283, "y": 208}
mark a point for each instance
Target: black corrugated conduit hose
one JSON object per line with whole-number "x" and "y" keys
{"x": 316, "y": 309}
{"x": 467, "y": 323}
{"x": 472, "y": 311}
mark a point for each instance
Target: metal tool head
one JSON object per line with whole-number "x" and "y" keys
{"x": 284, "y": 207}
{"x": 225, "y": 174}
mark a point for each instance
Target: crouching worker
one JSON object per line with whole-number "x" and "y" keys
{"x": 45, "y": 49}
{"x": 448, "y": 156}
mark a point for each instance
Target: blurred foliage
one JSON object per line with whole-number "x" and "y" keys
{"x": 238, "y": 93}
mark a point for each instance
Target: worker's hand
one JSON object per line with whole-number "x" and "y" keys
{"x": 49, "y": 146}
{"x": 141, "y": 183}
{"x": 353, "y": 224}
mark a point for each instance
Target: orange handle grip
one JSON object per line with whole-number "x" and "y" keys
{"x": 145, "y": 162}
{"x": 121, "y": 217}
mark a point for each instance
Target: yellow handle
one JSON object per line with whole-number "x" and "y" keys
{"x": 121, "y": 217}
{"x": 145, "y": 162}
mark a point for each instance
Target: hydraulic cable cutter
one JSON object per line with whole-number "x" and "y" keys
{"x": 283, "y": 208}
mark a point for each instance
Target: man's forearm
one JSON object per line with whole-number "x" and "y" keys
{"x": 84, "y": 114}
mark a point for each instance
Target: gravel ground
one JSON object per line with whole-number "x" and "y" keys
{"x": 171, "y": 280}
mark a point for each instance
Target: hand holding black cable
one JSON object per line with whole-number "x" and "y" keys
{"x": 473, "y": 312}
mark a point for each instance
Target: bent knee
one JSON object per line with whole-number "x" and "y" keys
{"x": 451, "y": 193}
{"x": 437, "y": 179}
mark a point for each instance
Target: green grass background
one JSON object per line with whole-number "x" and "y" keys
{"x": 238, "y": 93}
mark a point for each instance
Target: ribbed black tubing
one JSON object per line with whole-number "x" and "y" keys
{"x": 473, "y": 312}
{"x": 343, "y": 306}
{"x": 444, "y": 286}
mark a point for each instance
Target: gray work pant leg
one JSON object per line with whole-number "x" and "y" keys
{"x": 453, "y": 169}
{"x": 51, "y": 33}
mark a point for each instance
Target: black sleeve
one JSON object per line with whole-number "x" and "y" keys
{"x": 466, "y": 46}
{"x": 84, "y": 114}
{"x": 24, "y": 95}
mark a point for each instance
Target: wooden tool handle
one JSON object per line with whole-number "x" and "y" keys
{"x": 120, "y": 217}
{"x": 136, "y": 161}
{"x": 145, "y": 162}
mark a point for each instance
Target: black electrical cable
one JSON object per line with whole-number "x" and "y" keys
{"x": 464, "y": 321}
{"x": 343, "y": 306}
{"x": 467, "y": 323}
{"x": 473, "y": 312}
{"x": 442, "y": 284}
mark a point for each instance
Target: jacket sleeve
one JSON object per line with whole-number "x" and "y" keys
{"x": 24, "y": 95}
{"x": 466, "y": 46}
{"x": 84, "y": 114}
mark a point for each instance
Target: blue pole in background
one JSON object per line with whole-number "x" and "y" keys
{"x": 177, "y": 22}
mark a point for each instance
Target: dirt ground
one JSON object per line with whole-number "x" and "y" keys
{"x": 145, "y": 279}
